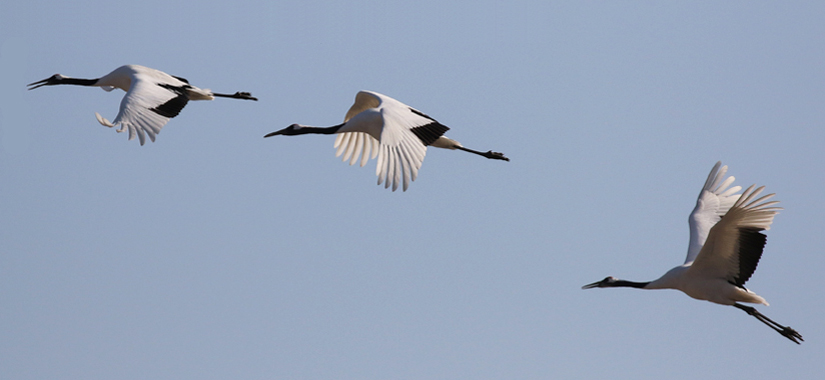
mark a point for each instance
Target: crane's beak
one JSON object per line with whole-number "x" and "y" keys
{"x": 39, "y": 83}
{"x": 593, "y": 285}
{"x": 288, "y": 131}
{"x": 274, "y": 133}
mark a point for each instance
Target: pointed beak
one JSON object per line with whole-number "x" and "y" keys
{"x": 593, "y": 285}
{"x": 274, "y": 133}
{"x": 39, "y": 83}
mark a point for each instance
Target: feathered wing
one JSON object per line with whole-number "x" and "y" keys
{"x": 714, "y": 200}
{"x": 364, "y": 100}
{"x": 404, "y": 135}
{"x": 147, "y": 107}
{"x": 357, "y": 144}
{"x": 734, "y": 245}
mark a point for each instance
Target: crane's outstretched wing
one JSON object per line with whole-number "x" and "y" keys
{"x": 147, "y": 107}
{"x": 405, "y": 134}
{"x": 715, "y": 200}
{"x": 364, "y": 100}
{"x": 357, "y": 144}
{"x": 734, "y": 245}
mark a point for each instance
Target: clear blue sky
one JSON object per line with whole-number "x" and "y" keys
{"x": 216, "y": 254}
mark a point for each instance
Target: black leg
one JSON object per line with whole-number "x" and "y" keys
{"x": 786, "y": 331}
{"x": 237, "y": 95}
{"x": 489, "y": 154}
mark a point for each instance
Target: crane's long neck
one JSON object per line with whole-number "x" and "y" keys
{"x": 628, "y": 284}
{"x": 305, "y": 129}
{"x": 60, "y": 79}
{"x": 670, "y": 280}
{"x": 79, "y": 81}
{"x": 297, "y": 129}
{"x": 613, "y": 282}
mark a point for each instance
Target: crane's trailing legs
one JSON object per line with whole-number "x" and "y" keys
{"x": 489, "y": 154}
{"x": 237, "y": 95}
{"x": 786, "y": 331}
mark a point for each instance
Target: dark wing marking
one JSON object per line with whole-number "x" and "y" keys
{"x": 173, "y": 106}
{"x": 428, "y": 133}
{"x": 422, "y": 114}
{"x": 181, "y": 79}
{"x": 751, "y": 244}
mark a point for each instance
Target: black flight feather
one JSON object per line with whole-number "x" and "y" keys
{"x": 751, "y": 243}
{"x": 181, "y": 79}
{"x": 428, "y": 133}
{"x": 172, "y": 107}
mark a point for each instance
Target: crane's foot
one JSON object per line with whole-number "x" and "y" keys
{"x": 237, "y": 95}
{"x": 495, "y": 155}
{"x": 785, "y": 331}
{"x": 245, "y": 95}
{"x": 791, "y": 334}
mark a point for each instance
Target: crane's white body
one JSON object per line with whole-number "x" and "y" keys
{"x": 704, "y": 286}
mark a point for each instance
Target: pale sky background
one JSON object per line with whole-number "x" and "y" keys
{"x": 216, "y": 254}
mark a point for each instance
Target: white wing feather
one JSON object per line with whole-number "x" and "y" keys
{"x": 135, "y": 109}
{"x": 719, "y": 255}
{"x": 714, "y": 201}
{"x": 389, "y": 137}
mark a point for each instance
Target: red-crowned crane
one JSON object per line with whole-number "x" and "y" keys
{"x": 725, "y": 247}
{"x": 392, "y": 131}
{"x": 152, "y": 97}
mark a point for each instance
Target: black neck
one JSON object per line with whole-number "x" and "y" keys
{"x": 78, "y": 81}
{"x": 628, "y": 284}
{"x": 318, "y": 130}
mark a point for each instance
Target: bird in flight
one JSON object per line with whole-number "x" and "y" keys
{"x": 398, "y": 135}
{"x": 726, "y": 244}
{"x": 152, "y": 97}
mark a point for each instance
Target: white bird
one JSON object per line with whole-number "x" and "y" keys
{"x": 152, "y": 97}
{"x": 725, "y": 246}
{"x": 392, "y": 131}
